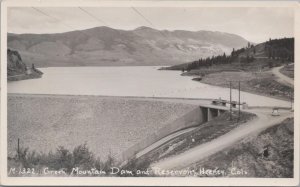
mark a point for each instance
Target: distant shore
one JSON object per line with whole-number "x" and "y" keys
{"x": 260, "y": 83}
{"x": 35, "y": 74}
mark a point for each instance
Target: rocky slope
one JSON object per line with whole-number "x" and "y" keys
{"x": 17, "y": 69}
{"x": 106, "y": 46}
{"x": 15, "y": 65}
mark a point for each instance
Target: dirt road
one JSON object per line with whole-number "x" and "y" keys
{"x": 263, "y": 121}
{"x": 282, "y": 78}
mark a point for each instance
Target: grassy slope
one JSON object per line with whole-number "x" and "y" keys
{"x": 256, "y": 82}
{"x": 288, "y": 71}
{"x": 248, "y": 154}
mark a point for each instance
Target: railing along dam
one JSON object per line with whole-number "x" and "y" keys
{"x": 193, "y": 118}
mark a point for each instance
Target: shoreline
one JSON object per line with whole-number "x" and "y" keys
{"x": 24, "y": 77}
{"x": 243, "y": 90}
{"x": 256, "y": 93}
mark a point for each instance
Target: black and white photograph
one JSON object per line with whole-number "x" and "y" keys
{"x": 138, "y": 90}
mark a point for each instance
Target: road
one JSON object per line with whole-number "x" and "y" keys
{"x": 282, "y": 78}
{"x": 183, "y": 160}
{"x": 163, "y": 141}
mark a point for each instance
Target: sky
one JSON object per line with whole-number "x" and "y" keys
{"x": 256, "y": 24}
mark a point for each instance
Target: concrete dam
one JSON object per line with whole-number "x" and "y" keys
{"x": 198, "y": 116}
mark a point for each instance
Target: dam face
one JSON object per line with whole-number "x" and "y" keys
{"x": 193, "y": 118}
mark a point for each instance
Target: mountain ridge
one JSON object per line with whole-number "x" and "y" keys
{"x": 105, "y": 46}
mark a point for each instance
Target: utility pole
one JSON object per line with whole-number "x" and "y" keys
{"x": 18, "y": 148}
{"x": 239, "y": 99}
{"x": 230, "y": 102}
{"x": 291, "y": 100}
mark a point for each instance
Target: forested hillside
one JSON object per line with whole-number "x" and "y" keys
{"x": 274, "y": 52}
{"x": 280, "y": 48}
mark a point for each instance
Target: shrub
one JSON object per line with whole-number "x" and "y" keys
{"x": 80, "y": 157}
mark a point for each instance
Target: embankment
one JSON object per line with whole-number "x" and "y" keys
{"x": 268, "y": 154}
{"x": 106, "y": 124}
{"x": 204, "y": 133}
{"x": 193, "y": 118}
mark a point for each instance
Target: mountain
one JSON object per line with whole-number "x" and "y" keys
{"x": 104, "y": 46}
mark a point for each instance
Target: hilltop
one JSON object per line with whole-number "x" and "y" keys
{"x": 104, "y": 46}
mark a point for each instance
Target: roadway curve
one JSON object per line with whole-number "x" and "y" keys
{"x": 282, "y": 78}
{"x": 193, "y": 155}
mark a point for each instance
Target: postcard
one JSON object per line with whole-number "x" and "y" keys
{"x": 168, "y": 93}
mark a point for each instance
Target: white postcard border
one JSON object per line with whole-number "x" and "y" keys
{"x": 141, "y": 181}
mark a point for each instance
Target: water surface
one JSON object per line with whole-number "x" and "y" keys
{"x": 128, "y": 81}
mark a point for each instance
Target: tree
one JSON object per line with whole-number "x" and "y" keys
{"x": 233, "y": 51}
{"x": 269, "y": 52}
{"x": 247, "y": 59}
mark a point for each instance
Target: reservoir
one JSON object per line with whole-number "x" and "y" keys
{"x": 141, "y": 81}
